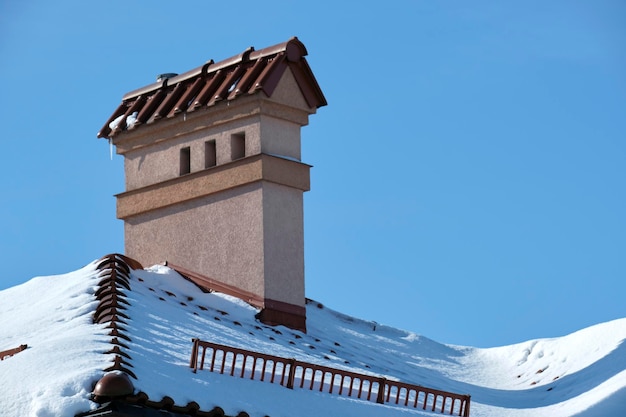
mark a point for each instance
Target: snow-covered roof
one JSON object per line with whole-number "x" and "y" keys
{"x": 583, "y": 373}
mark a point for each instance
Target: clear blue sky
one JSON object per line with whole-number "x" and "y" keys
{"x": 469, "y": 179}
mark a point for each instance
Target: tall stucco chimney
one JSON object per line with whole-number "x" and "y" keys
{"x": 214, "y": 177}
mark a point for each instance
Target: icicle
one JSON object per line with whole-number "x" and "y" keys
{"x": 110, "y": 149}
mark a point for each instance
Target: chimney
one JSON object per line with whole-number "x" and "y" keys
{"x": 214, "y": 177}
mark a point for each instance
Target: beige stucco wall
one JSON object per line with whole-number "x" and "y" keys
{"x": 159, "y": 162}
{"x": 280, "y": 137}
{"x": 283, "y": 242}
{"x": 250, "y": 237}
{"x": 219, "y": 235}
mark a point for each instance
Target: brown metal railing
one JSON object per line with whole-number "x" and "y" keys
{"x": 291, "y": 373}
{"x": 11, "y": 352}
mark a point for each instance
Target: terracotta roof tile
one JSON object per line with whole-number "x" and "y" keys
{"x": 244, "y": 74}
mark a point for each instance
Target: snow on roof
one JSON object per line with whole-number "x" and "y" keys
{"x": 65, "y": 357}
{"x": 53, "y": 316}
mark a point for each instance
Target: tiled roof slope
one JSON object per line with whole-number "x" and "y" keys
{"x": 245, "y": 74}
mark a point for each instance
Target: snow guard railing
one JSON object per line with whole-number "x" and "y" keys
{"x": 11, "y": 352}
{"x": 291, "y": 373}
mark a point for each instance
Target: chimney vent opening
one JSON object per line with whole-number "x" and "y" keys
{"x": 238, "y": 146}
{"x": 185, "y": 160}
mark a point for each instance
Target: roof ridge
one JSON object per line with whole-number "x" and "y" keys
{"x": 115, "y": 271}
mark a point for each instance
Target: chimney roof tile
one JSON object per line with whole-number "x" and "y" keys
{"x": 246, "y": 73}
